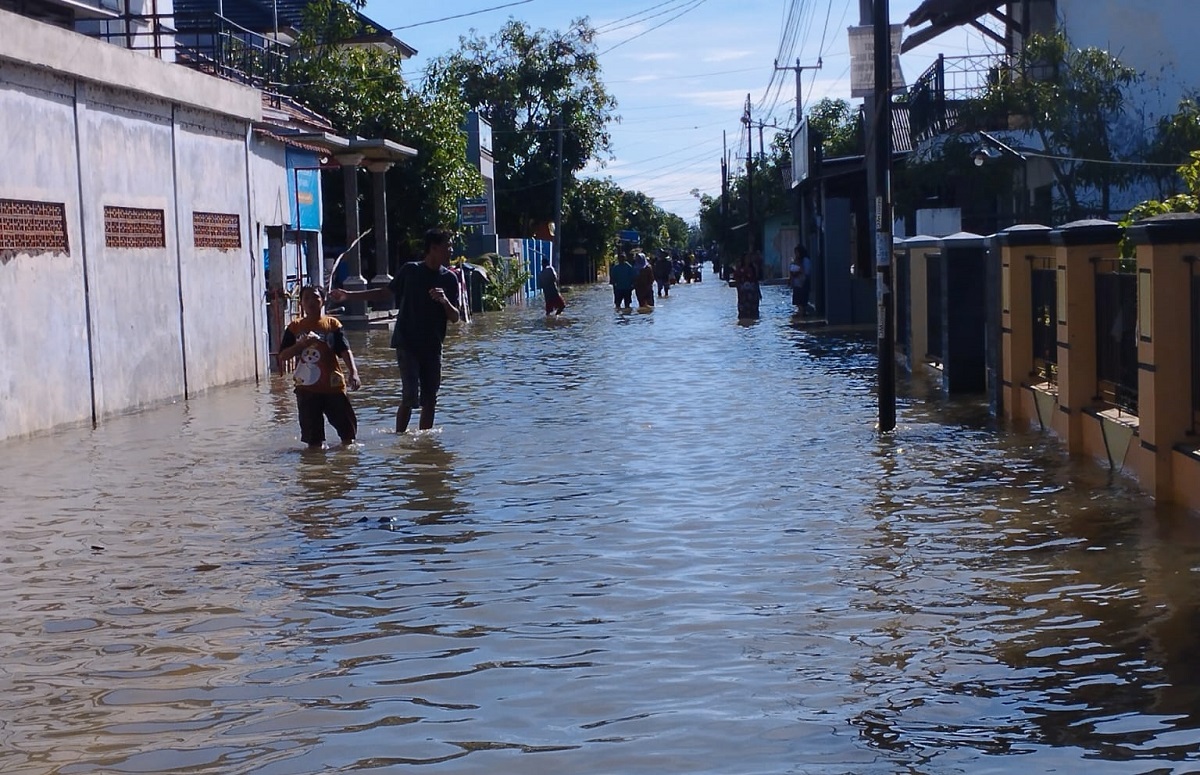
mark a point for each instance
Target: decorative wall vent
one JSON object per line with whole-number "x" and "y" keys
{"x": 217, "y": 230}
{"x": 134, "y": 227}
{"x": 32, "y": 227}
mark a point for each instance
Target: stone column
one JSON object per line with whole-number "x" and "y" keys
{"x": 1167, "y": 246}
{"x": 1017, "y": 244}
{"x": 350, "y": 161}
{"x": 383, "y": 274}
{"x": 1076, "y": 244}
{"x": 383, "y": 258}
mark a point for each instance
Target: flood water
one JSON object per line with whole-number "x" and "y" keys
{"x": 635, "y": 544}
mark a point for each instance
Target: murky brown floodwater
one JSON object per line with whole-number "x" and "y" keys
{"x": 639, "y": 544}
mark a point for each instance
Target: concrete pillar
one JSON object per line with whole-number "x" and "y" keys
{"x": 277, "y": 301}
{"x": 383, "y": 258}
{"x": 1075, "y": 246}
{"x": 1019, "y": 246}
{"x": 350, "y": 161}
{"x": 921, "y": 250}
{"x": 1167, "y": 246}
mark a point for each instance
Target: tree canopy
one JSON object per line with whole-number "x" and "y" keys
{"x": 1072, "y": 99}
{"x": 362, "y": 92}
{"x": 530, "y": 85}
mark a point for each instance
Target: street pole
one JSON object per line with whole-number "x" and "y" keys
{"x": 748, "y": 121}
{"x": 558, "y": 192}
{"x": 724, "y": 201}
{"x": 883, "y": 215}
{"x": 798, "y": 68}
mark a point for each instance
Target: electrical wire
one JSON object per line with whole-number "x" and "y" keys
{"x": 696, "y": 4}
{"x": 459, "y": 16}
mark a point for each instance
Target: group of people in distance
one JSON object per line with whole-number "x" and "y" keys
{"x": 427, "y": 299}
{"x": 640, "y": 277}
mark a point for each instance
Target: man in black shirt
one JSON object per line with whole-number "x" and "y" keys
{"x": 426, "y": 295}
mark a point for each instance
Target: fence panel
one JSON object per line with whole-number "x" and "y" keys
{"x": 1116, "y": 335}
{"x": 1195, "y": 349}
{"x": 1044, "y": 293}
{"x": 934, "y": 304}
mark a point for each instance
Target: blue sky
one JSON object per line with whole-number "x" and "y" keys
{"x": 681, "y": 69}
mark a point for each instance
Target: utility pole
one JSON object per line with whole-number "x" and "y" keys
{"x": 558, "y": 189}
{"x": 882, "y": 149}
{"x": 724, "y": 199}
{"x": 798, "y": 68}
{"x": 748, "y": 121}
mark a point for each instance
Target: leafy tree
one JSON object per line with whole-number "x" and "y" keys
{"x": 1177, "y": 136}
{"x": 839, "y": 127}
{"x": 1188, "y": 201}
{"x": 524, "y": 82}
{"x": 361, "y": 91}
{"x": 771, "y": 197}
{"x": 1072, "y": 99}
{"x": 591, "y": 219}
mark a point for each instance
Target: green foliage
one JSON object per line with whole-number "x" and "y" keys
{"x": 1186, "y": 202}
{"x": 771, "y": 197}
{"x": 839, "y": 127}
{"x": 523, "y": 82}
{"x": 1176, "y": 136}
{"x": 1071, "y": 98}
{"x": 506, "y": 277}
{"x": 656, "y": 227}
{"x": 591, "y": 217}
{"x": 361, "y": 91}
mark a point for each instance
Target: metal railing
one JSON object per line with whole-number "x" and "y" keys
{"x": 1044, "y": 306}
{"x": 206, "y": 42}
{"x": 1195, "y": 347}
{"x": 935, "y": 98}
{"x": 1116, "y": 334}
{"x": 933, "y": 309}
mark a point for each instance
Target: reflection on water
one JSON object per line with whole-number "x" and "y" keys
{"x": 638, "y": 543}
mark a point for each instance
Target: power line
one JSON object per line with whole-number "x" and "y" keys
{"x": 615, "y": 25}
{"x": 459, "y": 16}
{"x": 686, "y": 10}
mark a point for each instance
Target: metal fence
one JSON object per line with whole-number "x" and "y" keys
{"x": 934, "y": 303}
{"x": 1116, "y": 334}
{"x": 1195, "y": 347}
{"x": 206, "y": 42}
{"x": 1044, "y": 296}
{"x": 935, "y": 97}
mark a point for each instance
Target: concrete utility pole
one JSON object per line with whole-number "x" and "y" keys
{"x": 558, "y": 190}
{"x": 882, "y": 166}
{"x": 798, "y": 68}
{"x": 748, "y": 121}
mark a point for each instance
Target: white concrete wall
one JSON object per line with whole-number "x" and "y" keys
{"x": 220, "y": 287}
{"x": 98, "y": 330}
{"x": 1155, "y": 38}
{"x": 45, "y": 375}
{"x": 137, "y": 358}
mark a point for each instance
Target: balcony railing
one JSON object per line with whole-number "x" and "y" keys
{"x": 209, "y": 43}
{"x": 936, "y": 98}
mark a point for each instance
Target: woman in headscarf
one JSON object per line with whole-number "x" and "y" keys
{"x": 643, "y": 281}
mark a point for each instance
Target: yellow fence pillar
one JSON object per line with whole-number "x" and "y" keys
{"x": 1167, "y": 247}
{"x": 1077, "y": 246}
{"x": 1019, "y": 246}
